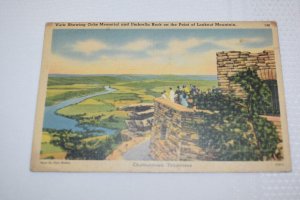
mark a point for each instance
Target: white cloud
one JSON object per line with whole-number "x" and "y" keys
{"x": 176, "y": 47}
{"x": 195, "y": 63}
{"x": 137, "y": 45}
{"x": 236, "y": 43}
{"x": 175, "y": 58}
{"x": 89, "y": 46}
{"x": 252, "y": 40}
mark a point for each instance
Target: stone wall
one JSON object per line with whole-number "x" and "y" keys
{"x": 173, "y": 136}
{"x": 231, "y": 62}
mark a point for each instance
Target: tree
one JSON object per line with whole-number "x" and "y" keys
{"x": 236, "y": 131}
{"x": 258, "y": 102}
{"x": 258, "y": 94}
{"x": 78, "y": 148}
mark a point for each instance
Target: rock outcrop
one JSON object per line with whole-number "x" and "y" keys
{"x": 140, "y": 120}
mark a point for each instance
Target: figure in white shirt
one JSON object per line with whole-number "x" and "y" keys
{"x": 163, "y": 95}
{"x": 172, "y": 95}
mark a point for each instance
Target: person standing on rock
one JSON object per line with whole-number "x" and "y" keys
{"x": 183, "y": 99}
{"x": 163, "y": 95}
{"x": 177, "y": 95}
{"x": 172, "y": 95}
{"x": 185, "y": 89}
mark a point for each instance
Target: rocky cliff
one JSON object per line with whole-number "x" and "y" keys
{"x": 173, "y": 136}
{"x": 140, "y": 120}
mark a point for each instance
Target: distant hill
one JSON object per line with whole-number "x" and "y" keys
{"x": 167, "y": 77}
{"x": 67, "y": 79}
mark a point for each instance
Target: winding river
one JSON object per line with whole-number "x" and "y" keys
{"x": 55, "y": 121}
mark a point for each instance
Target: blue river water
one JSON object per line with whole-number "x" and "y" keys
{"x": 58, "y": 122}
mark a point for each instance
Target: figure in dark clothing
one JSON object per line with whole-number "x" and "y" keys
{"x": 177, "y": 95}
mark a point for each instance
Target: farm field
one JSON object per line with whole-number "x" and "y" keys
{"x": 50, "y": 151}
{"x": 103, "y": 110}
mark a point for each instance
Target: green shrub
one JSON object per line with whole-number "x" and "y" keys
{"x": 237, "y": 131}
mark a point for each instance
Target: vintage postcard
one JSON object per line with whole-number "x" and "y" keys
{"x": 161, "y": 97}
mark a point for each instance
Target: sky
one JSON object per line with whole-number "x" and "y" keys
{"x": 149, "y": 51}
